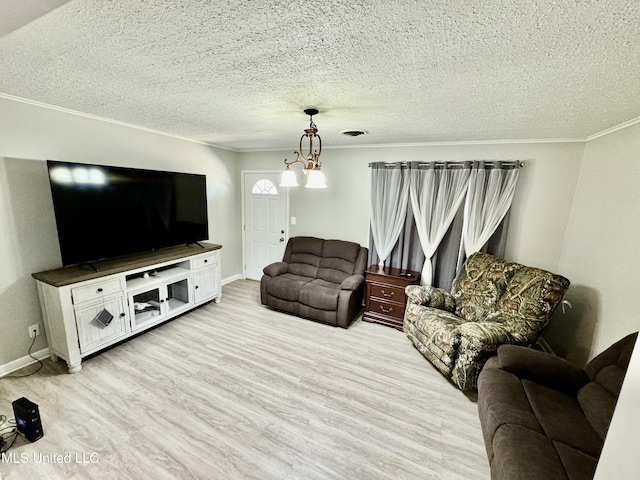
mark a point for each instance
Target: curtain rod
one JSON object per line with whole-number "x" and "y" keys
{"x": 464, "y": 163}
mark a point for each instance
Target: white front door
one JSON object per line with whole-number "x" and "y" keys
{"x": 265, "y": 219}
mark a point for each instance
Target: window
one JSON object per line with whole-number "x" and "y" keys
{"x": 264, "y": 187}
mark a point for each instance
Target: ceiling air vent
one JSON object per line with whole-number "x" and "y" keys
{"x": 353, "y": 133}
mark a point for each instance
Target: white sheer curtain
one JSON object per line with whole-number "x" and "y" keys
{"x": 436, "y": 192}
{"x": 491, "y": 190}
{"x": 389, "y": 200}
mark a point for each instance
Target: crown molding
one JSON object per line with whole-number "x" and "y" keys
{"x": 427, "y": 144}
{"x": 613, "y": 129}
{"x": 589, "y": 138}
{"x": 109, "y": 120}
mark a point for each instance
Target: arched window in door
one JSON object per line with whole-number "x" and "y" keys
{"x": 264, "y": 187}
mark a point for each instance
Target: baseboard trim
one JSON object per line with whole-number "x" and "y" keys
{"x": 25, "y": 361}
{"x": 232, "y": 278}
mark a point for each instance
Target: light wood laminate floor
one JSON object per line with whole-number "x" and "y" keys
{"x": 238, "y": 391}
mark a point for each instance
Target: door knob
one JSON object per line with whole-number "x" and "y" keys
{"x": 282, "y": 231}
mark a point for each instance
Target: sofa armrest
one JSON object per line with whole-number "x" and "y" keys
{"x": 429, "y": 296}
{"x": 276, "y": 269}
{"x": 354, "y": 282}
{"x": 541, "y": 367}
{"x": 478, "y": 342}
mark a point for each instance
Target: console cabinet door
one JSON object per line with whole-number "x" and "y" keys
{"x": 147, "y": 307}
{"x": 205, "y": 284}
{"x": 178, "y": 296}
{"x": 91, "y": 333}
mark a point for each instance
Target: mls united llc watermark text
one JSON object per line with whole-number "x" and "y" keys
{"x": 38, "y": 457}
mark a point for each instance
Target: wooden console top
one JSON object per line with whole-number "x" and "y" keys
{"x": 79, "y": 273}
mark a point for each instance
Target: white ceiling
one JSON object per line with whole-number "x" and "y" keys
{"x": 239, "y": 73}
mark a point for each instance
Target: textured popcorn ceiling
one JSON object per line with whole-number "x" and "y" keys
{"x": 239, "y": 73}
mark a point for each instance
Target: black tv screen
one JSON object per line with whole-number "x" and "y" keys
{"x": 104, "y": 211}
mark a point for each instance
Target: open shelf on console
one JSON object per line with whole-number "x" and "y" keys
{"x": 148, "y": 279}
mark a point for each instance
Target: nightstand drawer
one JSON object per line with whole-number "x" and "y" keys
{"x": 388, "y": 293}
{"x": 386, "y": 299}
{"x": 389, "y": 309}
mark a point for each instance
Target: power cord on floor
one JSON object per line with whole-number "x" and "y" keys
{"x": 36, "y": 359}
{"x": 5, "y": 436}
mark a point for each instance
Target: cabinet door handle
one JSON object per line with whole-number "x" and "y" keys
{"x": 122, "y": 314}
{"x": 205, "y": 260}
{"x": 197, "y": 287}
{"x": 388, "y": 295}
{"x": 99, "y": 290}
{"x": 386, "y": 311}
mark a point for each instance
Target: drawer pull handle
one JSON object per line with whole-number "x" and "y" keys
{"x": 386, "y": 311}
{"x": 99, "y": 290}
{"x": 388, "y": 295}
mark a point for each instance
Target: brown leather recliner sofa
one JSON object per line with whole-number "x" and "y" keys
{"x": 318, "y": 279}
{"x": 545, "y": 419}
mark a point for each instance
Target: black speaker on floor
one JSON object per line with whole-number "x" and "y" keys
{"x": 28, "y": 419}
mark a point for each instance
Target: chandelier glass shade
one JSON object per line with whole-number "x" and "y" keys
{"x": 310, "y": 160}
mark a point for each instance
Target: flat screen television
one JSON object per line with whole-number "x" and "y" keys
{"x": 104, "y": 211}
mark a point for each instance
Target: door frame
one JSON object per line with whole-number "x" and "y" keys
{"x": 243, "y": 174}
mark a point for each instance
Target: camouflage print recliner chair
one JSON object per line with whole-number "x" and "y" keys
{"x": 492, "y": 302}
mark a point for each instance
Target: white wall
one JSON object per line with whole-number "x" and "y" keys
{"x": 540, "y": 209}
{"x": 28, "y": 240}
{"x": 600, "y": 254}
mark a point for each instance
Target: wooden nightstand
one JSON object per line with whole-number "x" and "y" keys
{"x": 386, "y": 299}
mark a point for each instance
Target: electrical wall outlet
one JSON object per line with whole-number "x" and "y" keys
{"x": 34, "y": 330}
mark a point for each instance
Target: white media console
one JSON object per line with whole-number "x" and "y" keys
{"x": 129, "y": 295}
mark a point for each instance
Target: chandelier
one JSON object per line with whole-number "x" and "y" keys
{"x": 310, "y": 161}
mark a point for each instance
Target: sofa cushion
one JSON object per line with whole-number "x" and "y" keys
{"x": 611, "y": 379}
{"x": 562, "y": 418}
{"x": 502, "y": 400}
{"x": 338, "y": 260}
{"x": 320, "y": 294}
{"x": 550, "y": 370}
{"x": 618, "y": 354}
{"x": 480, "y": 284}
{"x": 521, "y": 453}
{"x": 533, "y": 293}
{"x": 305, "y": 245}
{"x": 304, "y": 256}
{"x": 287, "y": 286}
{"x": 578, "y": 464}
{"x": 598, "y": 406}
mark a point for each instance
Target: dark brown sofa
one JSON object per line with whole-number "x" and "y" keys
{"x": 544, "y": 418}
{"x": 318, "y": 279}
